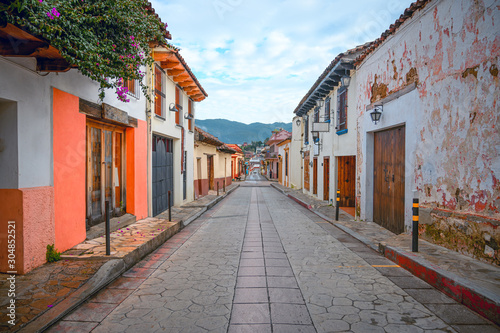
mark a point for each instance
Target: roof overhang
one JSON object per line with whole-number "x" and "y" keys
{"x": 177, "y": 68}
{"x": 15, "y": 42}
{"x": 326, "y": 85}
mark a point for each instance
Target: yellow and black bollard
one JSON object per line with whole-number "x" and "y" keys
{"x": 414, "y": 239}
{"x": 337, "y": 206}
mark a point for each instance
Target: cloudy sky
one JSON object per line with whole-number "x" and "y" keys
{"x": 257, "y": 59}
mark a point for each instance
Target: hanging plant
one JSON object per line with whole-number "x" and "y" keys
{"x": 107, "y": 40}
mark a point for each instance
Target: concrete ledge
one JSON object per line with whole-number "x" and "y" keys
{"x": 464, "y": 291}
{"x": 300, "y": 202}
{"x": 104, "y": 276}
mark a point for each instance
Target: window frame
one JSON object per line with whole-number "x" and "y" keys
{"x": 135, "y": 83}
{"x": 178, "y": 104}
{"x": 159, "y": 93}
{"x": 191, "y": 113}
{"x": 342, "y": 109}
{"x": 316, "y": 114}
{"x": 327, "y": 110}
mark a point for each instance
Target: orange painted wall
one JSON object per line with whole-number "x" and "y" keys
{"x": 69, "y": 135}
{"x": 137, "y": 191}
{"x": 11, "y": 209}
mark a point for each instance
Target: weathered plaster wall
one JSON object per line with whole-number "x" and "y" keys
{"x": 450, "y": 49}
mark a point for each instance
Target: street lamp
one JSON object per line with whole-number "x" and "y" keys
{"x": 346, "y": 81}
{"x": 376, "y": 114}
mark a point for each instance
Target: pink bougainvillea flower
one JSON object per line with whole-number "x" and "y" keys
{"x": 55, "y": 12}
{"x": 132, "y": 37}
{"x": 50, "y": 305}
{"x": 41, "y": 1}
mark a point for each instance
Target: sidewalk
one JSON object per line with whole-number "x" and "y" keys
{"x": 51, "y": 291}
{"x": 467, "y": 280}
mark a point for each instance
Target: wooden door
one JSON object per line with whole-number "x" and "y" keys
{"x": 347, "y": 180}
{"x": 104, "y": 171}
{"x": 315, "y": 175}
{"x": 389, "y": 179}
{"x": 210, "y": 167}
{"x": 306, "y": 171}
{"x": 326, "y": 179}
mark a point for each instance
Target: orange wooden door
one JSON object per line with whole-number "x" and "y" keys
{"x": 326, "y": 178}
{"x": 389, "y": 179}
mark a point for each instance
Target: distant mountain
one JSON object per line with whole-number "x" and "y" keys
{"x": 235, "y": 132}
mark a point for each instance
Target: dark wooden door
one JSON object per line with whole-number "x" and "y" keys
{"x": 389, "y": 179}
{"x": 163, "y": 173}
{"x": 347, "y": 180}
{"x": 210, "y": 167}
{"x": 315, "y": 179}
{"x": 326, "y": 178}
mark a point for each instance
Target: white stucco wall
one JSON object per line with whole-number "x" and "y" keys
{"x": 166, "y": 127}
{"x": 295, "y": 156}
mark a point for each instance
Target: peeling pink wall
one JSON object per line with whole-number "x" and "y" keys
{"x": 38, "y": 225}
{"x": 450, "y": 49}
{"x": 32, "y": 210}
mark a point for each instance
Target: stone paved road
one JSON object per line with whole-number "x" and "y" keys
{"x": 259, "y": 262}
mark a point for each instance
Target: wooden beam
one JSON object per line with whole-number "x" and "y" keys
{"x": 175, "y": 72}
{"x": 52, "y": 65}
{"x": 170, "y": 64}
{"x": 185, "y": 84}
{"x": 19, "y": 48}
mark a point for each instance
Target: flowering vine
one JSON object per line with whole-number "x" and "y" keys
{"x": 107, "y": 40}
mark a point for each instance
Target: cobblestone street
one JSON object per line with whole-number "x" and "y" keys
{"x": 259, "y": 262}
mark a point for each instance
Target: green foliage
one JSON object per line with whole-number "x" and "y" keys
{"x": 108, "y": 40}
{"x": 52, "y": 255}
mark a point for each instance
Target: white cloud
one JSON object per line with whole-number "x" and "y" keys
{"x": 257, "y": 59}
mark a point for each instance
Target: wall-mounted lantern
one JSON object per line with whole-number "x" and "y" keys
{"x": 376, "y": 114}
{"x": 172, "y": 107}
{"x": 346, "y": 81}
{"x": 320, "y": 103}
{"x": 297, "y": 122}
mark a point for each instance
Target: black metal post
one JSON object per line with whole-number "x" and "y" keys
{"x": 224, "y": 185}
{"x": 337, "y": 206}
{"x": 108, "y": 236}
{"x": 169, "y": 207}
{"x": 414, "y": 238}
{"x": 217, "y": 188}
